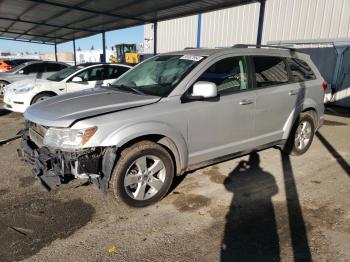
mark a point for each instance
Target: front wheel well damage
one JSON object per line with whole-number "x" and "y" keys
{"x": 112, "y": 153}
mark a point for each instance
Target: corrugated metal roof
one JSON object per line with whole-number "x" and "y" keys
{"x": 58, "y": 21}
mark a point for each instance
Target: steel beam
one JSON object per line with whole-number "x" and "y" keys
{"x": 103, "y": 47}
{"x": 199, "y": 27}
{"x": 74, "y": 53}
{"x": 261, "y": 23}
{"x": 81, "y": 9}
{"x": 34, "y": 35}
{"x": 155, "y": 29}
{"x": 47, "y": 24}
{"x": 56, "y": 52}
{"x": 27, "y": 41}
{"x": 333, "y": 41}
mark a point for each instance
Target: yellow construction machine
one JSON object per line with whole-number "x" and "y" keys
{"x": 127, "y": 54}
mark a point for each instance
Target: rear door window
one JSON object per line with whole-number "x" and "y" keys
{"x": 34, "y": 68}
{"x": 270, "y": 71}
{"x": 92, "y": 74}
{"x": 52, "y": 67}
{"x": 300, "y": 70}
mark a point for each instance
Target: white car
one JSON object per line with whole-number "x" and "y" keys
{"x": 21, "y": 94}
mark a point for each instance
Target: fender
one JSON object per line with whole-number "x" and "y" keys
{"x": 127, "y": 133}
{"x": 306, "y": 103}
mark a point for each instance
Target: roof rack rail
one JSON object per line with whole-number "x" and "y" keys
{"x": 189, "y": 48}
{"x": 268, "y": 46}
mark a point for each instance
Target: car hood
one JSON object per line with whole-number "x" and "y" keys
{"x": 27, "y": 82}
{"x": 62, "y": 111}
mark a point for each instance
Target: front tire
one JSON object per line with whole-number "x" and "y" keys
{"x": 143, "y": 174}
{"x": 301, "y": 135}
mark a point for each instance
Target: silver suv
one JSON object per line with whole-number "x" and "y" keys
{"x": 173, "y": 113}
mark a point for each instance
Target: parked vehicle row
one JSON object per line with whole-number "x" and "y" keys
{"x": 8, "y": 64}
{"x": 29, "y": 70}
{"x": 21, "y": 94}
{"x": 173, "y": 113}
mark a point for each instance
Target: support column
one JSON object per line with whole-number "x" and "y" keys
{"x": 103, "y": 47}
{"x": 155, "y": 28}
{"x": 199, "y": 27}
{"x": 56, "y": 52}
{"x": 261, "y": 22}
{"x": 74, "y": 53}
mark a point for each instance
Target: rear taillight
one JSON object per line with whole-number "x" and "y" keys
{"x": 7, "y": 67}
{"x": 324, "y": 86}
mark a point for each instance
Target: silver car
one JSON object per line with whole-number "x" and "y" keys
{"x": 173, "y": 113}
{"x": 29, "y": 70}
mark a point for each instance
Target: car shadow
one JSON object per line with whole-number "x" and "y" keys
{"x": 4, "y": 112}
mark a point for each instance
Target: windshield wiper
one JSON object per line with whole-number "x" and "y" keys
{"x": 133, "y": 90}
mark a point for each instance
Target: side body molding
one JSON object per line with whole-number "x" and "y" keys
{"x": 127, "y": 133}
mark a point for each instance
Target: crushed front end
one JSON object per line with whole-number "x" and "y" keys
{"x": 55, "y": 167}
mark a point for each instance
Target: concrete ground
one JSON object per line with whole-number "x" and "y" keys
{"x": 262, "y": 207}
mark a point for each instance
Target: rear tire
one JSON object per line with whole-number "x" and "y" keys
{"x": 301, "y": 135}
{"x": 41, "y": 97}
{"x": 143, "y": 174}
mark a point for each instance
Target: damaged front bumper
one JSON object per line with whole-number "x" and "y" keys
{"x": 56, "y": 167}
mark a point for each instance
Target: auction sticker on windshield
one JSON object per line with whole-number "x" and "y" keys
{"x": 192, "y": 57}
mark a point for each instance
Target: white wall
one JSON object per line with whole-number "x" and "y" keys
{"x": 306, "y": 19}
{"x": 230, "y": 26}
{"x": 284, "y": 20}
{"x": 85, "y": 56}
{"x": 175, "y": 34}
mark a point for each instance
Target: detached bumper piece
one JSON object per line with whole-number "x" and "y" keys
{"x": 58, "y": 167}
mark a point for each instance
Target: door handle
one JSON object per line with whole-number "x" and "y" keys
{"x": 246, "y": 102}
{"x": 61, "y": 89}
{"x": 293, "y": 92}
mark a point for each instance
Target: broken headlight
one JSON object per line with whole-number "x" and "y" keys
{"x": 67, "y": 138}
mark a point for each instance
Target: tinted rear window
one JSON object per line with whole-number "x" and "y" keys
{"x": 52, "y": 67}
{"x": 11, "y": 62}
{"x": 300, "y": 70}
{"x": 270, "y": 71}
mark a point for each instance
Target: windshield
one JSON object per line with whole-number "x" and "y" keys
{"x": 158, "y": 75}
{"x": 60, "y": 75}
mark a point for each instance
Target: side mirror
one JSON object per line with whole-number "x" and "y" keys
{"x": 204, "y": 89}
{"x": 77, "y": 79}
{"x": 21, "y": 72}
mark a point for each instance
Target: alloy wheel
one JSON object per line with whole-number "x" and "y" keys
{"x": 145, "y": 177}
{"x": 303, "y": 135}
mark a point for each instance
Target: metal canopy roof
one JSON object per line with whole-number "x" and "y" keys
{"x": 59, "y": 21}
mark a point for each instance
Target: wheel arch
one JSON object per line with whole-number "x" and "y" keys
{"x": 307, "y": 105}
{"x": 6, "y": 81}
{"x": 160, "y": 133}
{"x": 42, "y": 93}
{"x": 162, "y": 140}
